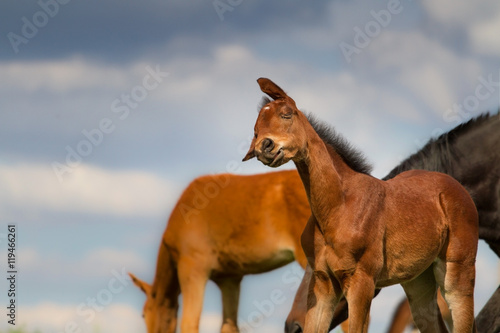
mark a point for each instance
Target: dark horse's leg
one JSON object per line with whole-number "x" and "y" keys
{"x": 488, "y": 320}
{"x": 489, "y": 226}
{"x": 230, "y": 289}
{"x": 421, "y": 293}
{"x": 488, "y": 206}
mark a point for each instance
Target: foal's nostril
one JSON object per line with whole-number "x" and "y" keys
{"x": 267, "y": 145}
{"x": 293, "y": 328}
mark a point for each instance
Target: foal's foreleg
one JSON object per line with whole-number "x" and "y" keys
{"x": 324, "y": 295}
{"x": 359, "y": 291}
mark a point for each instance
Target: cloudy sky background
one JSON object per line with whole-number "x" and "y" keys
{"x": 83, "y": 219}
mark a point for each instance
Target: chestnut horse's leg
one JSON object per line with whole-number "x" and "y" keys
{"x": 230, "y": 289}
{"x": 359, "y": 296}
{"x": 192, "y": 279}
{"x": 422, "y": 295}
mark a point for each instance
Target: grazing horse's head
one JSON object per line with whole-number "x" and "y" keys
{"x": 160, "y": 315}
{"x": 278, "y": 134}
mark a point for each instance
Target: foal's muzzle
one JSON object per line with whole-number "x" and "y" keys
{"x": 267, "y": 145}
{"x": 269, "y": 154}
{"x": 293, "y": 327}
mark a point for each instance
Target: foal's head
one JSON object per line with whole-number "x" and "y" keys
{"x": 279, "y": 134}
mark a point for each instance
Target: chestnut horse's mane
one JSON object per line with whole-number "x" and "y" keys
{"x": 350, "y": 155}
{"x": 440, "y": 154}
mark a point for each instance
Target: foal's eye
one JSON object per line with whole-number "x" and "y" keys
{"x": 286, "y": 116}
{"x": 255, "y": 135}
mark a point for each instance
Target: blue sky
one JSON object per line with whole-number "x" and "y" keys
{"x": 110, "y": 108}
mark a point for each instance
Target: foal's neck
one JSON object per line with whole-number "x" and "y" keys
{"x": 323, "y": 173}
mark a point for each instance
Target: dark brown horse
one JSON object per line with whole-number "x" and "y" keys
{"x": 469, "y": 153}
{"x": 419, "y": 229}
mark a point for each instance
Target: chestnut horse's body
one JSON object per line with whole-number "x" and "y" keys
{"x": 419, "y": 229}
{"x": 222, "y": 228}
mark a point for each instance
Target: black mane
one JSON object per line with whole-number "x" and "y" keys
{"x": 438, "y": 154}
{"x": 351, "y": 156}
{"x": 265, "y": 100}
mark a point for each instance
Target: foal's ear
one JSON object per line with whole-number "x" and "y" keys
{"x": 269, "y": 87}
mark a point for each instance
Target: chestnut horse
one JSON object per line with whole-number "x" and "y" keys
{"x": 222, "y": 229}
{"x": 469, "y": 153}
{"x": 419, "y": 229}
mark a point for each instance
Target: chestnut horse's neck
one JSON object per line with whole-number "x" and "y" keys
{"x": 165, "y": 286}
{"x": 322, "y": 165}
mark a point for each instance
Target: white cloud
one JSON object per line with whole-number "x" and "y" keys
{"x": 222, "y": 87}
{"x": 98, "y": 262}
{"x": 485, "y": 35}
{"x": 119, "y": 317}
{"x": 88, "y": 189}
{"x": 461, "y": 13}
{"x": 103, "y": 260}
{"x": 480, "y": 20}
{"x": 61, "y": 76}
{"x": 211, "y": 87}
{"x": 437, "y": 77}
{"x": 43, "y": 316}
{"x": 337, "y": 97}
{"x": 437, "y": 93}
{"x": 451, "y": 12}
{"x": 431, "y": 78}
{"x": 53, "y": 317}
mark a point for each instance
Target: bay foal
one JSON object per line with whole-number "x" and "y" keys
{"x": 419, "y": 229}
{"x": 470, "y": 153}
